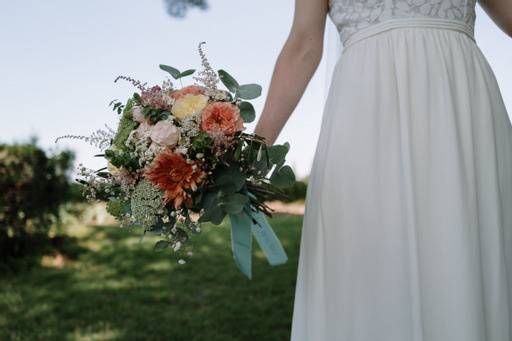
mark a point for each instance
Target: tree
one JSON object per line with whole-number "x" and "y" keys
{"x": 179, "y": 8}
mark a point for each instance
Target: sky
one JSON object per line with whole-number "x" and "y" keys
{"x": 59, "y": 59}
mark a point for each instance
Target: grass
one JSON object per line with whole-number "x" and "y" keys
{"x": 119, "y": 289}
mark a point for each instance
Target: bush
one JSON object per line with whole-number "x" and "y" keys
{"x": 33, "y": 187}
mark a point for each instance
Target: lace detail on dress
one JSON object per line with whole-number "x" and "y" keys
{"x": 350, "y": 16}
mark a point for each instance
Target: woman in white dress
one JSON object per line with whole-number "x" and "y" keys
{"x": 407, "y": 234}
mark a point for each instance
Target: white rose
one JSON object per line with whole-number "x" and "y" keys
{"x": 165, "y": 133}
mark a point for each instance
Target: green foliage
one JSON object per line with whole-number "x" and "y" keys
{"x": 228, "y": 179}
{"x": 249, "y": 91}
{"x": 117, "y": 208}
{"x": 229, "y": 82}
{"x": 244, "y": 179}
{"x": 245, "y": 91}
{"x": 212, "y": 210}
{"x": 155, "y": 115}
{"x": 283, "y": 177}
{"x": 175, "y": 73}
{"x": 247, "y": 112}
{"x": 202, "y": 142}
{"x": 33, "y": 186}
{"x": 223, "y": 194}
{"x": 122, "y": 158}
{"x": 126, "y": 125}
{"x": 117, "y": 106}
{"x": 233, "y": 203}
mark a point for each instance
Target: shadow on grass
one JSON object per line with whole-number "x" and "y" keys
{"x": 33, "y": 247}
{"x": 119, "y": 288}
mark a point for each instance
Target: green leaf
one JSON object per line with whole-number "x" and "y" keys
{"x": 283, "y": 177}
{"x": 228, "y": 81}
{"x": 262, "y": 166}
{"x": 249, "y": 91}
{"x": 211, "y": 199}
{"x": 186, "y": 73}
{"x": 229, "y": 179}
{"x": 215, "y": 215}
{"x": 247, "y": 112}
{"x": 212, "y": 210}
{"x": 202, "y": 142}
{"x": 277, "y": 153}
{"x": 160, "y": 245}
{"x": 234, "y": 203}
{"x": 172, "y": 71}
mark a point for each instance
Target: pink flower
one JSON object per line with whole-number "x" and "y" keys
{"x": 164, "y": 133}
{"x": 137, "y": 114}
{"x": 154, "y": 98}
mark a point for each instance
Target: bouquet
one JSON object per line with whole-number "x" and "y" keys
{"x": 180, "y": 157}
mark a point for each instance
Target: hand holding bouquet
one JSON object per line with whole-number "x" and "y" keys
{"x": 180, "y": 157}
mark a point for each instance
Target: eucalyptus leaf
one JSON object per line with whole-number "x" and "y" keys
{"x": 215, "y": 215}
{"x": 175, "y": 73}
{"x": 283, "y": 177}
{"x": 229, "y": 179}
{"x": 247, "y": 112}
{"x": 262, "y": 165}
{"x": 277, "y": 153}
{"x": 186, "y": 73}
{"x": 211, "y": 199}
{"x": 234, "y": 203}
{"x": 249, "y": 91}
{"x": 228, "y": 81}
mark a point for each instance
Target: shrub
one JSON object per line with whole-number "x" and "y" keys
{"x": 33, "y": 186}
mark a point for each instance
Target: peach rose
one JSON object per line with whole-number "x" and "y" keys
{"x": 221, "y": 116}
{"x": 191, "y": 89}
{"x": 164, "y": 133}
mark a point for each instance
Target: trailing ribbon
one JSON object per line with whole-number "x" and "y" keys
{"x": 243, "y": 226}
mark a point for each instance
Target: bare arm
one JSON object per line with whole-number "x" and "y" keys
{"x": 500, "y": 11}
{"x": 294, "y": 67}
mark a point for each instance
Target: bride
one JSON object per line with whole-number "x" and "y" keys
{"x": 407, "y": 234}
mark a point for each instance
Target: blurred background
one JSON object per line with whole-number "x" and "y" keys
{"x": 66, "y": 270}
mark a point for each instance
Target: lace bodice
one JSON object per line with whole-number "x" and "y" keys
{"x": 350, "y": 16}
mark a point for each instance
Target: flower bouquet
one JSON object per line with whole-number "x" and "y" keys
{"x": 180, "y": 157}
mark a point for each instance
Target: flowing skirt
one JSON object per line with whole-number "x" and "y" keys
{"x": 407, "y": 233}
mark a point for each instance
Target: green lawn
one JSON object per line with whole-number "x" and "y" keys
{"x": 120, "y": 289}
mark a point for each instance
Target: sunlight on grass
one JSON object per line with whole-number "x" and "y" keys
{"x": 106, "y": 334}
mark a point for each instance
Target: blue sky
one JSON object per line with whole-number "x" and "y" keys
{"x": 59, "y": 59}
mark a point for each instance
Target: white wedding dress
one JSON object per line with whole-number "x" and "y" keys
{"x": 407, "y": 234}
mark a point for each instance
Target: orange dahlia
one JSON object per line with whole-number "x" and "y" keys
{"x": 221, "y": 116}
{"x": 172, "y": 174}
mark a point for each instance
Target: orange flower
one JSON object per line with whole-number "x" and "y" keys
{"x": 172, "y": 174}
{"x": 191, "y": 89}
{"x": 221, "y": 116}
